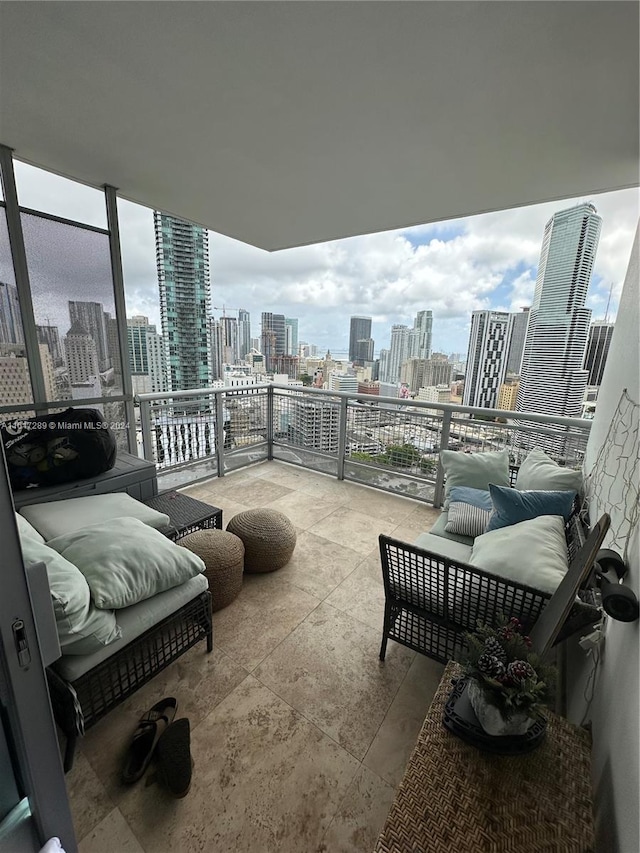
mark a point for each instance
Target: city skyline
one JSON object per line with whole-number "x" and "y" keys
{"x": 484, "y": 262}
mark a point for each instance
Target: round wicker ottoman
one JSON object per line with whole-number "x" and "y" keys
{"x": 268, "y": 536}
{"x": 223, "y": 555}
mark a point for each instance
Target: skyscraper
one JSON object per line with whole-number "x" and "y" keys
{"x": 420, "y": 336}
{"x": 50, "y": 336}
{"x": 216, "y": 347}
{"x": 397, "y": 353}
{"x": 82, "y": 354}
{"x": 273, "y": 337}
{"x": 244, "y": 332}
{"x": 552, "y": 378}
{"x": 230, "y": 344}
{"x": 90, "y": 315}
{"x": 517, "y": 336}
{"x": 360, "y": 330}
{"x": 182, "y": 258}
{"x": 486, "y": 358}
{"x": 10, "y": 317}
{"x": 291, "y": 335}
{"x": 600, "y": 335}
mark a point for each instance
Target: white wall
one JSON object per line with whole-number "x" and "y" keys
{"x": 614, "y": 711}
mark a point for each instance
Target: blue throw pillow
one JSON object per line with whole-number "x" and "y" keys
{"x": 476, "y": 497}
{"x": 511, "y": 506}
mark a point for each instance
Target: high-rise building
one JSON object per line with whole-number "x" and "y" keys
{"x": 420, "y": 336}
{"x": 486, "y": 358}
{"x": 517, "y": 335}
{"x": 138, "y": 353}
{"x": 182, "y": 258}
{"x": 216, "y": 348}
{"x": 315, "y": 424}
{"x": 291, "y": 336}
{"x": 147, "y": 361}
{"x": 230, "y": 342}
{"x": 10, "y": 317}
{"x": 15, "y": 382}
{"x": 50, "y": 336}
{"x": 397, "y": 353}
{"x": 157, "y": 361}
{"x": 508, "y": 394}
{"x": 273, "y": 336}
{"x": 244, "y": 333}
{"x": 359, "y": 330}
{"x": 363, "y": 351}
{"x": 82, "y": 354}
{"x": 552, "y": 378}
{"x": 600, "y": 335}
{"x": 90, "y": 315}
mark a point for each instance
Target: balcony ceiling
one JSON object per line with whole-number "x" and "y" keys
{"x": 286, "y": 123}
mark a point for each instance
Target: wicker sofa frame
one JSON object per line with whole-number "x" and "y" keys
{"x": 432, "y": 600}
{"x": 78, "y": 705}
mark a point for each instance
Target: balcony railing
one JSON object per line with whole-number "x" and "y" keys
{"x": 388, "y": 443}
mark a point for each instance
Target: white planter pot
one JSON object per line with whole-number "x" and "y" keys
{"x": 490, "y": 717}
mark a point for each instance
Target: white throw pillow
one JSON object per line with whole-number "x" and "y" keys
{"x": 26, "y": 530}
{"x": 126, "y": 561}
{"x": 532, "y": 552}
{"x": 55, "y": 518}
{"x": 82, "y": 628}
{"x": 539, "y": 472}
{"x": 475, "y": 470}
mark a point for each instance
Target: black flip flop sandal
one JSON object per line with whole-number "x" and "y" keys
{"x": 173, "y": 755}
{"x": 145, "y": 738}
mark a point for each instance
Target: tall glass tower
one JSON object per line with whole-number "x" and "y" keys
{"x": 182, "y": 258}
{"x": 553, "y": 379}
{"x": 360, "y": 330}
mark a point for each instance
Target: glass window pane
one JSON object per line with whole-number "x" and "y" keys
{"x": 41, "y": 190}
{"x": 15, "y": 381}
{"x": 74, "y": 309}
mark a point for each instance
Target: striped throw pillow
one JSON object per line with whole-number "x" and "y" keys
{"x": 466, "y": 519}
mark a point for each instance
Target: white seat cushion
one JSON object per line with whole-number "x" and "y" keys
{"x": 56, "y": 518}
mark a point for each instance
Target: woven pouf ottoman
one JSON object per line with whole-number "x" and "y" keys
{"x": 223, "y": 555}
{"x": 268, "y": 536}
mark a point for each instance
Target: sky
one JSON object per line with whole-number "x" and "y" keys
{"x": 454, "y": 267}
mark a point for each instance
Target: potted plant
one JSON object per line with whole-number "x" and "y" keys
{"x": 507, "y": 683}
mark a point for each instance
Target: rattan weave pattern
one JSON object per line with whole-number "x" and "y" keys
{"x": 186, "y": 514}
{"x": 455, "y": 797}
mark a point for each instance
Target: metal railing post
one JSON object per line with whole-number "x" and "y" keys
{"x": 219, "y": 408}
{"x": 342, "y": 436}
{"x": 145, "y": 426}
{"x": 270, "y": 423}
{"x": 438, "y": 494}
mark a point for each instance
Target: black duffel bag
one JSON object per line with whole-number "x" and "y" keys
{"x": 51, "y": 449}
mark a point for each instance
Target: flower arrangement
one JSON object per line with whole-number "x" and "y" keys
{"x": 511, "y": 677}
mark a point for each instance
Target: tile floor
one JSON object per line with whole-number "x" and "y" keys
{"x": 299, "y": 734}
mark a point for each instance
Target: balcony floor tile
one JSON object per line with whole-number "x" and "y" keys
{"x": 302, "y": 754}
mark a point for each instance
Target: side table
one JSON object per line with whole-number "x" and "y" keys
{"x": 186, "y": 514}
{"x": 455, "y": 797}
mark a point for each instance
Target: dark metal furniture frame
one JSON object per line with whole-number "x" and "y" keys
{"x": 78, "y": 705}
{"x": 432, "y": 600}
{"x": 186, "y": 514}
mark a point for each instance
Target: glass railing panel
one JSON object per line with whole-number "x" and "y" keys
{"x": 311, "y": 459}
{"x": 389, "y": 480}
{"x": 236, "y": 459}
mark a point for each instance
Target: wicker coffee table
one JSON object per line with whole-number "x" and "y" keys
{"x": 186, "y": 514}
{"x": 455, "y": 797}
